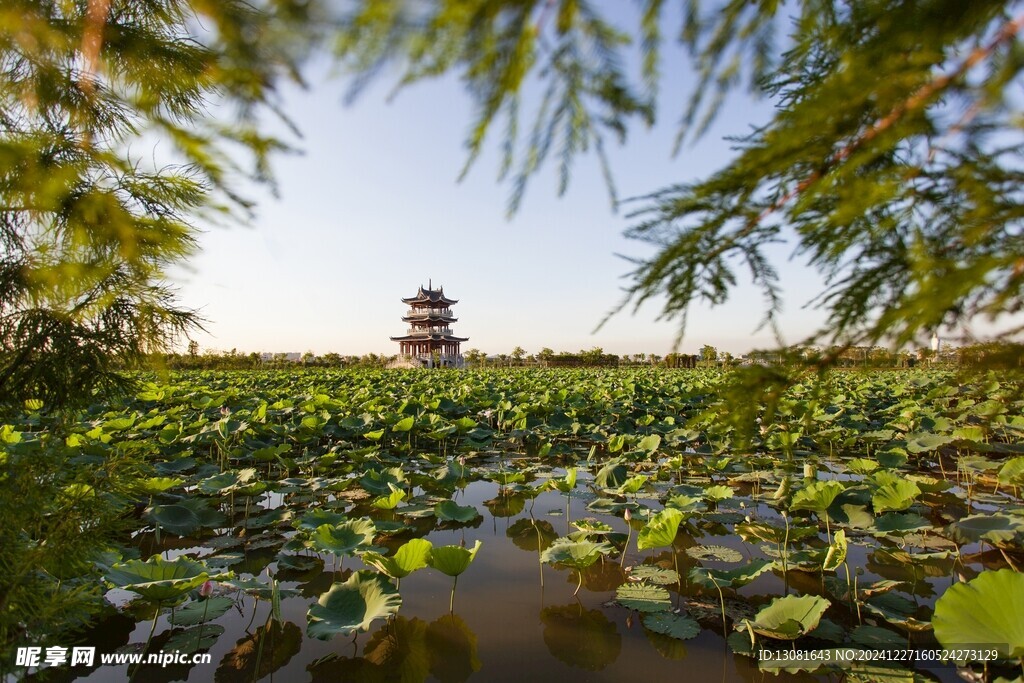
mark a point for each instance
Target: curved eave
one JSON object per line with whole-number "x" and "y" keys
{"x": 429, "y": 318}
{"x": 439, "y": 299}
{"x": 429, "y": 337}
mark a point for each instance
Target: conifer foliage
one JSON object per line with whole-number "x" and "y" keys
{"x": 90, "y": 215}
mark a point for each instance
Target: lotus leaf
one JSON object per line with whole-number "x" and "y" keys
{"x": 391, "y": 500}
{"x": 352, "y": 605}
{"x": 718, "y": 493}
{"x": 575, "y": 554}
{"x": 731, "y": 578}
{"x": 453, "y": 559}
{"x": 674, "y": 625}
{"x": 996, "y": 529}
{"x": 186, "y": 517}
{"x": 351, "y": 537}
{"x": 900, "y": 524}
{"x": 789, "y": 617}
{"x": 643, "y": 597}
{"x": 157, "y": 579}
{"x": 836, "y": 554}
{"x": 714, "y": 553}
{"x": 817, "y": 496}
{"x": 633, "y": 484}
{"x": 1012, "y": 473}
{"x": 450, "y": 511}
{"x": 318, "y": 517}
{"x": 653, "y": 574}
{"x": 895, "y": 496}
{"x": 413, "y": 555}
{"x": 592, "y": 527}
{"x": 660, "y": 530}
{"x": 154, "y": 485}
{"x": 201, "y": 611}
{"x": 987, "y": 610}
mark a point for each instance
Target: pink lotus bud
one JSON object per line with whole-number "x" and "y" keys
{"x": 627, "y": 515}
{"x": 206, "y": 590}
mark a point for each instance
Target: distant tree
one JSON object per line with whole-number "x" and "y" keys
{"x": 708, "y": 354}
{"x": 545, "y": 355}
{"x": 474, "y": 357}
{"x": 193, "y": 347}
{"x": 518, "y": 353}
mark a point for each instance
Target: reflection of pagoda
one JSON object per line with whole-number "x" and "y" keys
{"x": 429, "y": 317}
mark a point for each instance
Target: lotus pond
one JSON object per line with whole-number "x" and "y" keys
{"x": 557, "y": 524}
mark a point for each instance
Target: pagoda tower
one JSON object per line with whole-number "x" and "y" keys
{"x": 429, "y": 318}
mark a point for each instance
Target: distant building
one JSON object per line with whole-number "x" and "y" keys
{"x": 936, "y": 342}
{"x": 429, "y": 338}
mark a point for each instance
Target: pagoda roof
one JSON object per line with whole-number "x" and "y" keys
{"x": 431, "y": 296}
{"x": 430, "y": 337}
{"x": 424, "y": 317}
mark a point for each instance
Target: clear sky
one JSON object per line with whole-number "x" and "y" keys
{"x": 372, "y": 208}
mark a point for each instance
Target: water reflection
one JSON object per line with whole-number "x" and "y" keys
{"x": 582, "y": 638}
{"x": 408, "y": 650}
{"x": 531, "y": 535}
{"x": 261, "y": 653}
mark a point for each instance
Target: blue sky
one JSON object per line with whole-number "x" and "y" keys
{"x": 373, "y": 208}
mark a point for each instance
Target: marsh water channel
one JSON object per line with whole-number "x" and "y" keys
{"x": 513, "y": 617}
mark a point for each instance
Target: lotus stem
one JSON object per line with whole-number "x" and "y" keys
{"x": 721, "y": 601}
{"x": 580, "y": 584}
{"x": 622, "y": 560}
{"x": 451, "y": 600}
{"x": 206, "y": 607}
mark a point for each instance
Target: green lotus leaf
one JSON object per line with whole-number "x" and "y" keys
{"x": 413, "y": 555}
{"x": 896, "y": 496}
{"x": 900, "y": 524}
{"x": 643, "y": 597}
{"x": 762, "y": 531}
{"x": 996, "y": 529}
{"x": 817, "y": 496}
{"x": 925, "y": 442}
{"x": 732, "y": 578}
{"x": 575, "y": 554}
{"x": 861, "y": 466}
{"x": 201, "y": 611}
{"x": 351, "y": 537}
{"x": 158, "y": 579}
{"x": 612, "y": 475}
{"x": 226, "y": 481}
{"x": 564, "y": 484}
{"x": 986, "y": 609}
{"x": 352, "y": 605}
{"x": 453, "y": 559}
{"x": 185, "y": 517}
{"x": 674, "y": 625}
{"x": 593, "y": 527}
{"x": 154, "y": 485}
{"x": 318, "y": 517}
{"x": 391, "y": 500}
{"x": 836, "y": 552}
{"x": 450, "y": 511}
{"x": 789, "y": 617}
{"x": 1012, "y": 472}
{"x": 379, "y": 483}
{"x": 633, "y": 484}
{"x": 718, "y": 493}
{"x": 660, "y": 530}
{"x": 654, "y": 574}
{"x": 714, "y": 553}
{"x": 403, "y": 425}
{"x": 649, "y": 443}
